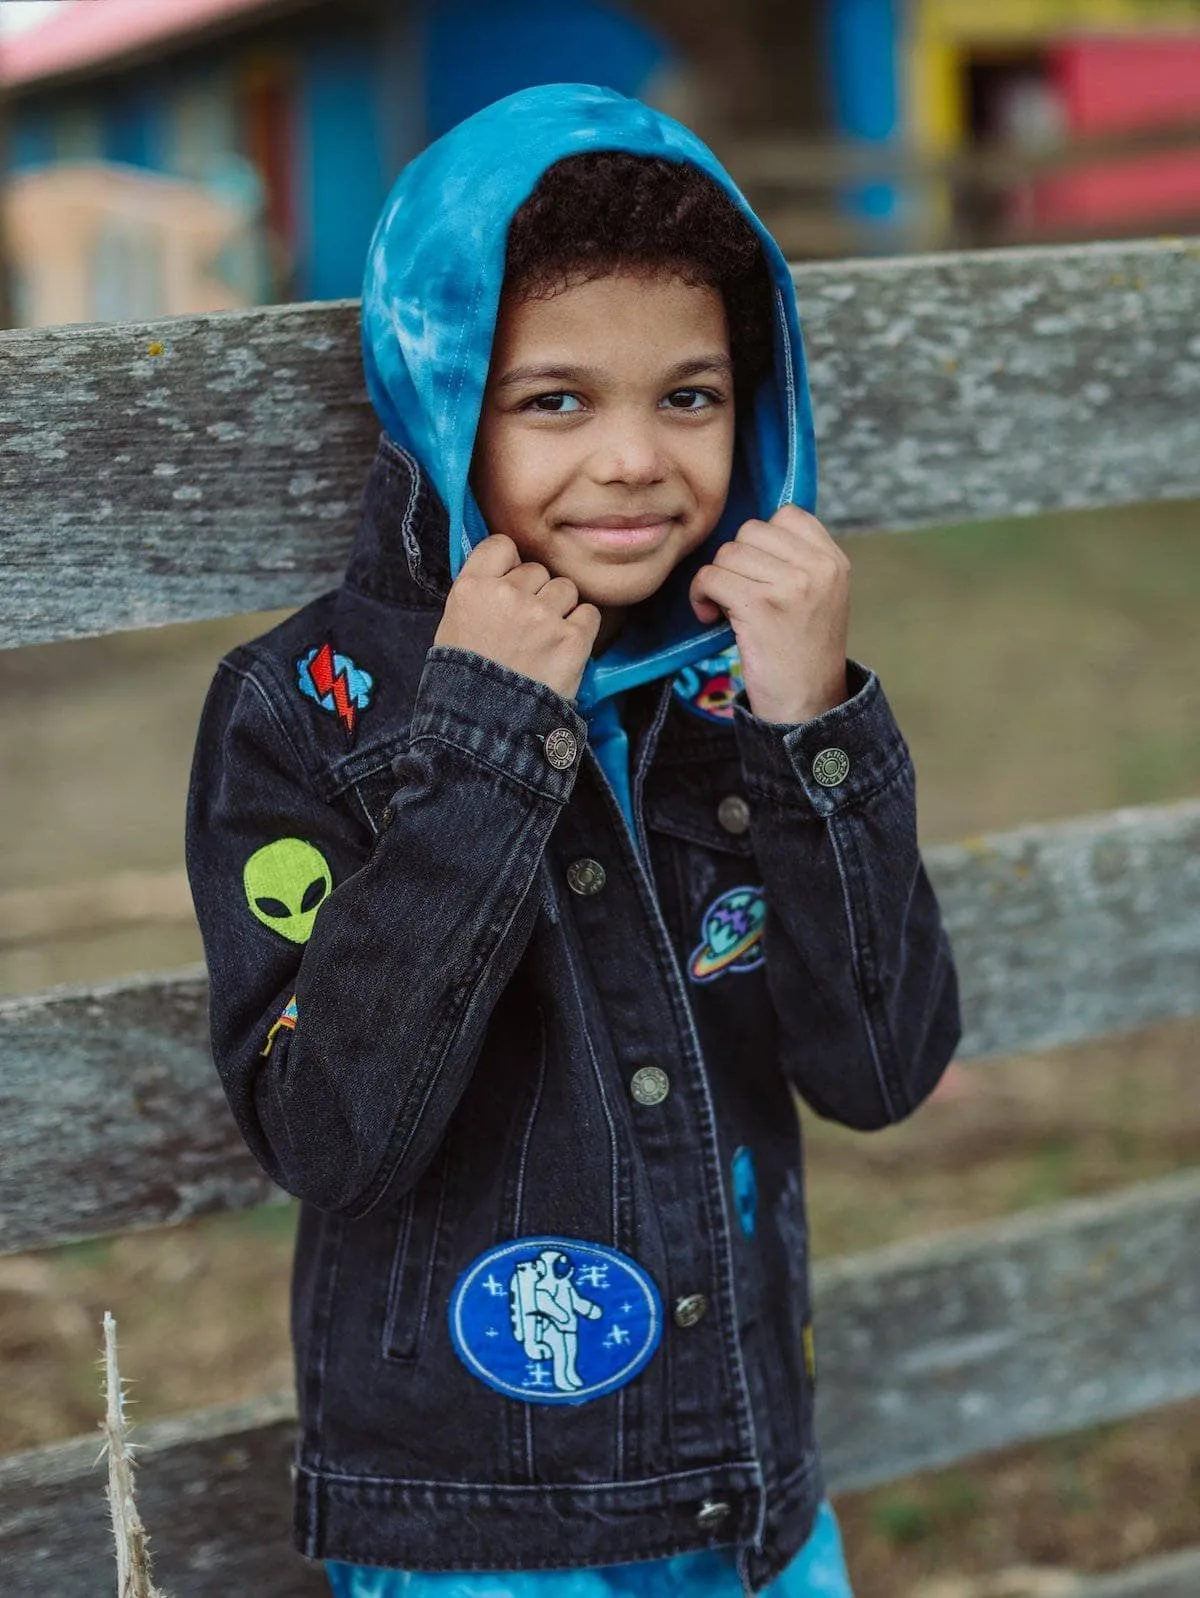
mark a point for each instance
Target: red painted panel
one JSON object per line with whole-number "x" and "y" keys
{"x": 1109, "y": 83}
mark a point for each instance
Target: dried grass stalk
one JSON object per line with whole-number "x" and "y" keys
{"x": 133, "y": 1559}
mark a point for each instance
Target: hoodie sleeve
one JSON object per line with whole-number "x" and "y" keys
{"x": 867, "y": 997}
{"x": 345, "y": 1034}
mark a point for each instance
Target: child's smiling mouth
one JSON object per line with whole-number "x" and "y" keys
{"x": 645, "y": 531}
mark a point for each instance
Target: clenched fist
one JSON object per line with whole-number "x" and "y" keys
{"x": 515, "y": 613}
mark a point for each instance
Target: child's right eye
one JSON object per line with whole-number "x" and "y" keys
{"x": 551, "y": 404}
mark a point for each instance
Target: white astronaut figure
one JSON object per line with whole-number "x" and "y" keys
{"x": 545, "y": 1310}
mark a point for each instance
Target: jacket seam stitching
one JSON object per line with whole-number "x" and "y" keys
{"x": 856, "y": 954}
{"x": 488, "y": 765}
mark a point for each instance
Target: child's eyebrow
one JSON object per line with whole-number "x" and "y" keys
{"x": 692, "y": 367}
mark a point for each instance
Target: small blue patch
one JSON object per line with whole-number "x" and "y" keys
{"x": 709, "y": 687}
{"x": 554, "y": 1320}
{"x": 745, "y": 1188}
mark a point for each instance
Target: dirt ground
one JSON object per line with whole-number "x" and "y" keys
{"x": 1039, "y": 670}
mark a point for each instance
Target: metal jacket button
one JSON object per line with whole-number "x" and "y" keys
{"x": 650, "y": 1084}
{"x": 831, "y": 767}
{"x": 690, "y": 1309}
{"x": 713, "y": 1512}
{"x": 561, "y": 748}
{"x": 585, "y": 876}
{"x": 734, "y": 813}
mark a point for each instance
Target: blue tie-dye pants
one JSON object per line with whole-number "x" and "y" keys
{"x": 818, "y": 1571}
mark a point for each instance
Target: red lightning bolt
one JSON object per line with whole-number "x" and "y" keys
{"x": 328, "y": 681}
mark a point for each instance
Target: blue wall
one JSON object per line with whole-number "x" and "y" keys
{"x": 481, "y": 50}
{"x": 862, "y": 48}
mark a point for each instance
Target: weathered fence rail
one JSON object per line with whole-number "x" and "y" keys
{"x": 205, "y": 466}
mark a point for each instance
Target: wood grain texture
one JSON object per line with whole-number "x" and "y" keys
{"x": 1041, "y": 1323}
{"x": 213, "y": 1491}
{"x": 926, "y": 1353}
{"x": 1076, "y": 929}
{"x": 208, "y": 465}
{"x": 1060, "y": 932}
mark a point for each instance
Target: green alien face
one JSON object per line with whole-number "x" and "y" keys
{"x": 286, "y": 883}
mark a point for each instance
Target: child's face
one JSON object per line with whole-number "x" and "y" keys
{"x": 610, "y": 402}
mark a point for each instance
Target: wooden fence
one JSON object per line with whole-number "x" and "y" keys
{"x": 206, "y": 466}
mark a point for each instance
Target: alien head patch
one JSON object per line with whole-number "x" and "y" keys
{"x": 732, "y": 928}
{"x": 553, "y": 1320}
{"x": 709, "y": 687}
{"x": 335, "y": 683}
{"x": 286, "y": 883}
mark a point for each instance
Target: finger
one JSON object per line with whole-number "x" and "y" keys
{"x": 713, "y": 589}
{"x": 792, "y": 522}
{"x": 587, "y": 618}
{"x": 530, "y": 575}
{"x": 492, "y": 556}
{"x": 760, "y": 565}
{"x": 559, "y": 595}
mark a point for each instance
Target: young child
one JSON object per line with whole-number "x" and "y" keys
{"x": 537, "y": 865}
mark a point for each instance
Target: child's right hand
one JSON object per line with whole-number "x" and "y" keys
{"x": 515, "y": 613}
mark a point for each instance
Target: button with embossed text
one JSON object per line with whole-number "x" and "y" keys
{"x": 650, "y": 1084}
{"x": 831, "y": 767}
{"x": 561, "y": 748}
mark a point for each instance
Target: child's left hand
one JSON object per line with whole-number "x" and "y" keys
{"x": 785, "y": 587}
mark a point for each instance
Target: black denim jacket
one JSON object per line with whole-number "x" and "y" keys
{"x": 453, "y": 1005}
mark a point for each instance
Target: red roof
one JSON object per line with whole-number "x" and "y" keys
{"x": 89, "y": 34}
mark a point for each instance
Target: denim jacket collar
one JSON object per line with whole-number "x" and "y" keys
{"x": 400, "y": 553}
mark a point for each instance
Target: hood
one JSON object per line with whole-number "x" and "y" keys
{"x": 431, "y": 294}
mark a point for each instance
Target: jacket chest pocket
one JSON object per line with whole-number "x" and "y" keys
{"x": 700, "y": 838}
{"x": 420, "y": 1231}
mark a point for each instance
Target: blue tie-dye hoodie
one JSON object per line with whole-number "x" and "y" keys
{"x": 431, "y": 293}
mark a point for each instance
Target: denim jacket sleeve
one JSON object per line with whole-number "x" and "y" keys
{"x": 867, "y": 995}
{"x": 412, "y": 947}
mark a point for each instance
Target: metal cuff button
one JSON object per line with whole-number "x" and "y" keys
{"x": 831, "y": 767}
{"x": 561, "y": 748}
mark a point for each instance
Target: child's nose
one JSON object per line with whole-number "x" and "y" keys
{"x": 629, "y": 453}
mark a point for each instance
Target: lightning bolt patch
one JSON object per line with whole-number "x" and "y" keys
{"x": 334, "y": 682}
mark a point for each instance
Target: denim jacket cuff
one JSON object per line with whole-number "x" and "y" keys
{"x": 500, "y": 717}
{"x": 832, "y": 761}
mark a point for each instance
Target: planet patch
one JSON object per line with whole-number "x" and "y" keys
{"x": 732, "y": 927}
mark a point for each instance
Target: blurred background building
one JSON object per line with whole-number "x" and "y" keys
{"x": 167, "y": 156}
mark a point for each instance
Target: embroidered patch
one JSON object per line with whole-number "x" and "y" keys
{"x": 287, "y": 1018}
{"x": 733, "y": 926}
{"x": 745, "y": 1188}
{"x": 810, "y": 1351}
{"x": 335, "y": 683}
{"x": 554, "y": 1320}
{"x": 709, "y": 687}
{"x": 286, "y": 883}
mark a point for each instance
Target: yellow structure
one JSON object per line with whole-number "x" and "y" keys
{"x": 941, "y": 35}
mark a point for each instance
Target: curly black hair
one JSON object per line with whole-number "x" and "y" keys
{"x": 604, "y": 211}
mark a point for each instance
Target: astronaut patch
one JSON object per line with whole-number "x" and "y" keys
{"x": 554, "y": 1320}
{"x": 732, "y": 928}
{"x": 709, "y": 687}
{"x": 335, "y": 683}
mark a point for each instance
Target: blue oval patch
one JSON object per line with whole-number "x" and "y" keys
{"x": 554, "y": 1320}
{"x": 709, "y": 687}
{"x": 745, "y": 1188}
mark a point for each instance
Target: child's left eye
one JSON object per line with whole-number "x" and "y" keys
{"x": 706, "y": 396}
{"x": 553, "y": 404}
